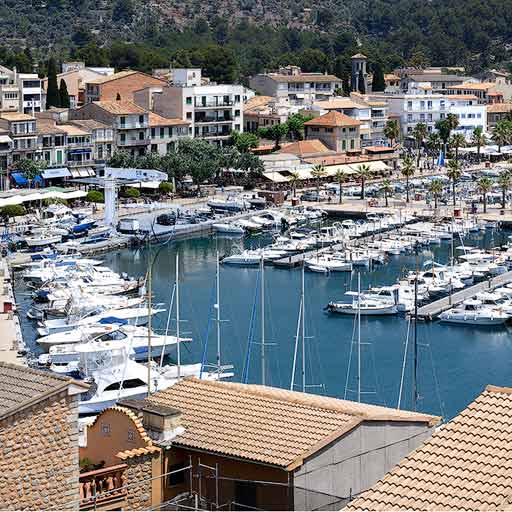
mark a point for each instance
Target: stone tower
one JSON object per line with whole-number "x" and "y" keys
{"x": 358, "y": 64}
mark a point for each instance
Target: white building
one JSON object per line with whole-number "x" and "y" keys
{"x": 420, "y": 105}
{"x": 291, "y": 85}
{"x": 212, "y": 111}
{"x": 30, "y": 92}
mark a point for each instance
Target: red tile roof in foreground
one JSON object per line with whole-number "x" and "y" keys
{"x": 268, "y": 425}
{"x": 466, "y": 465}
{"x": 333, "y": 119}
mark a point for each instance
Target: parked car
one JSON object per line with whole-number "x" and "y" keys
{"x": 311, "y": 196}
{"x": 166, "y": 219}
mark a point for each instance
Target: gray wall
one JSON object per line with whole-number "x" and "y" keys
{"x": 355, "y": 462}
{"x": 264, "y": 85}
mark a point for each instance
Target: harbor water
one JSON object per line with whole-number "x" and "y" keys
{"x": 454, "y": 363}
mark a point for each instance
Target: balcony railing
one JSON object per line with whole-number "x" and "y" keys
{"x": 211, "y": 104}
{"x": 133, "y": 142}
{"x": 103, "y": 487}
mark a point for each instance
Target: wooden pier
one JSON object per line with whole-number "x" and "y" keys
{"x": 432, "y": 310}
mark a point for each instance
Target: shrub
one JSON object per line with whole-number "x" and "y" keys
{"x": 94, "y": 196}
{"x": 166, "y": 188}
{"x": 134, "y": 193}
{"x": 12, "y": 210}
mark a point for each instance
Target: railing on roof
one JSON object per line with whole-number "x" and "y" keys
{"x": 103, "y": 487}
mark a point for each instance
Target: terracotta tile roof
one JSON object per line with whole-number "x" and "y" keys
{"x": 481, "y": 86}
{"x": 75, "y": 131}
{"x": 257, "y": 102}
{"x": 337, "y": 103}
{"x": 462, "y": 97}
{"x": 304, "y": 77}
{"x": 16, "y": 116}
{"x": 156, "y": 120}
{"x": 264, "y": 424}
{"x": 497, "y": 108}
{"x": 121, "y": 107}
{"x": 46, "y": 126}
{"x": 333, "y": 119}
{"x": 115, "y": 76}
{"x": 466, "y": 465}
{"x": 90, "y": 124}
{"x": 305, "y": 147}
{"x": 21, "y": 386}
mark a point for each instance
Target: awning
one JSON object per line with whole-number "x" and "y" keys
{"x": 275, "y": 176}
{"x": 344, "y": 168}
{"x": 61, "y": 172}
{"x": 75, "y": 173}
{"x": 19, "y": 179}
{"x": 145, "y": 184}
{"x": 5, "y": 139}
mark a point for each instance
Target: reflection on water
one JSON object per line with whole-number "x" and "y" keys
{"x": 455, "y": 363}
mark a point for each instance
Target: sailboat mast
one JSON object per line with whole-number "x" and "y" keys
{"x": 358, "y": 337}
{"x": 217, "y": 305}
{"x": 262, "y": 297}
{"x": 303, "y": 330}
{"x": 415, "y": 367}
{"x": 150, "y": 290}
{"x": 178, "y": 344}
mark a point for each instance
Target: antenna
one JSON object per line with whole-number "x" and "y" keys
{"x": 303, "y": 329}
{"x": 217, "y": 307}
{"x": 178, "y": 344}
{"x": 262, "y": 297}
{"x": 359, "y": 337}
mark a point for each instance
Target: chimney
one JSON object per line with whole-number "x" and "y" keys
{"x": 161, "y": 422}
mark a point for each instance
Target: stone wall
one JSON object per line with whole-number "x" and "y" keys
{"x": 39, "y": 466}
{"x": 139, "y": 482}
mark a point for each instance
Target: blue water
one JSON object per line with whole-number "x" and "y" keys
{"x": 454, "y": 362}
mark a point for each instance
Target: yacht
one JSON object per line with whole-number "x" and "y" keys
{"x": 474, "y": 312}
{"x": 329, "y": 262}
{"x": 364, "y": 306}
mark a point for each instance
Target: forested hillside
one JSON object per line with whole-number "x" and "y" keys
{"x": 232, "y": 39}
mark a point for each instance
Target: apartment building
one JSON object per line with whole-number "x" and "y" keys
{"x": 6, "y": 145}
{"x": 213, "y": 111}
{"x": 22, "y": 130}
{"x": 469, "y": 111}
{"x": 293, "y": 86}
{"x": 264, "y": 112}
{"x": 51, "y": 143}
{"x": 337, "y": 131}
{"x": 485, "y": 92}
{"x": 372, "y": 114}
{"x": 102, "y": 137}
{"x": 498, "y": 112}
{"x": 120, "y": 85}
{"x": 20, "y": 92}
{"x": 165, "y": 133}
{"x": 440, "y": 82}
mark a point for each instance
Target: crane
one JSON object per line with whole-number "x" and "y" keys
{"x": 113, "y": 176}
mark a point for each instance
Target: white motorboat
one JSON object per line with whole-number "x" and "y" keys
{"x": 262, "y": 221}
{"x": 231, "y": 204}
{"x": 133, "y": 316}
{"x": 248, "y": 225}
{"x": 330, "y": 263}
{"x": 43, "y": 240}
{"x": 364, "y": 306}
{"x": 228, "y": 229}
{"x": 245, "y": 258}
{"x": 474, "y": 312}
{"x": 64, "y": 358}
{"x": 78, "y": 335}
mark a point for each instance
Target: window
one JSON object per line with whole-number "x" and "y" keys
{"x": 237, "y": 113}
{"x": 315, "y": 129}
{"x": 409, "y": 105}
{"x": 343, "y": 145}
{"x": 59, "y": 156}
{"x": 352, "y": 143}
{"x": 422, "y": 105}
{"x": 246, "y": 495}
{"x": 422, "y": 117}
{"x": 122, "y": 120}
{"x": 237, "y": 98}
{"x": 130, "y": 435}
{"x": 162, "y": 133}
{"x": 429, "y": 104}
{"x": 153, "y": 133}
{"x": 189, "y": 115}
{"x": 141, "y": 135}
{"x": 177, "y": 474}
{"x": 141, "y": 119}
{"x": 100, "y": 152}
{"x": 188, "y": 101}
{"x": 430, "y": 117}
{"x": 105, "y": 429}
{"x": 479, "y": 116}
{"x": 123, "y": 137}
{"x": 127, "y": 384}
{"x": 154, "y": 148}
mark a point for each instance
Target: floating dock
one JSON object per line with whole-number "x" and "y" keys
{"x": 434, "y": 309}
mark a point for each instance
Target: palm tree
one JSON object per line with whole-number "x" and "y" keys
{"x": 478, "y": 137}
{"x": 363, "y": 174}
{"x": 485, "y": 186}
{"x": 318, "y": 172}
{"x": 504, "y": 181}
{"x": 341, "y": 178}
{"x": 452, "y": 121}
{"x": 434, "y": 145}
{"x": 436, "y": 189}
{"x": 294, "y": 179}
{"x": 408, "y": 169}
{"x": 387, "y": 189}
{"x": 457, "y": 141}
{"x": 501, "y": 134}
{"x": 419, "y": 133}
{"x": 392, "y": 131}
{"x": 454, "y": 172}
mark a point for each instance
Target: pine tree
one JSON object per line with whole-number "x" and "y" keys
{"x": 52, "y": 93}
{"x": 360, "y": 83}
{"x": 63, "y": 94}
{"x": 378, "y": 83}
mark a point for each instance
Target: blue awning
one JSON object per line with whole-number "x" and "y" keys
{"x": 19, "y": 178}
{"x": 61, "y": 172}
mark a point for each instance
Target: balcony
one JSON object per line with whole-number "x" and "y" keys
{"x": 128, "y": 142}
{"x": 132, "y": 126}
{"x": 213, "y": 104}
{"x": 213, "y": 119}
{"x": 103, "y": 488}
